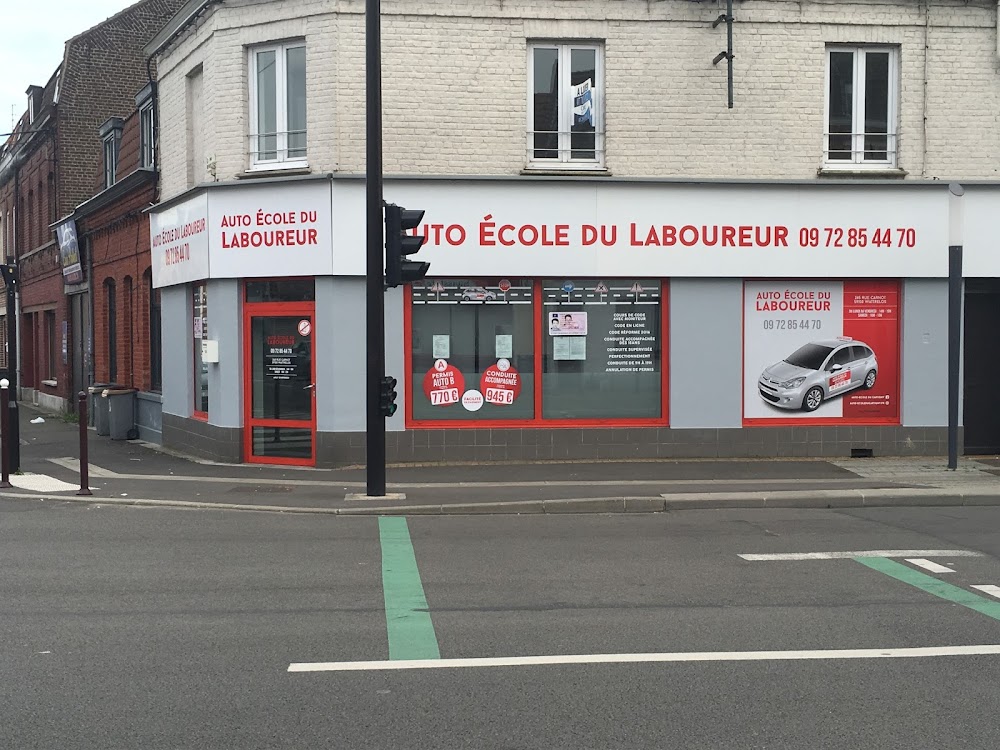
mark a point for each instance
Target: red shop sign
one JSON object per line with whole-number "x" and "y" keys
{"x": 500, "y": 384}
{"x": 443, "y": 384}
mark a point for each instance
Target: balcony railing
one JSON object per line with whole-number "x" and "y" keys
{"x": 853, "y": 149}
{"x": 565, "y": 149}
{"x": 277, "y": 147}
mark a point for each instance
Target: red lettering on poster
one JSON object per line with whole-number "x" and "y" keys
{"x": 871, "y": 318}
{"x": 443, "y": 384}
{"x": 500, "y": 384}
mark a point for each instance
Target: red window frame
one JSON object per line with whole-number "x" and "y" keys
{"x": 538, "y": 421}
{"x": 195, "y": 375}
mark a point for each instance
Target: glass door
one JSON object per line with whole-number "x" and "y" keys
{"x": 280, "y": 392}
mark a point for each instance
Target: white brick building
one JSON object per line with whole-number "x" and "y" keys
{"x": 839, "y": 107}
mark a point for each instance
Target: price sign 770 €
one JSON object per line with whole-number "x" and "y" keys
{"x": 443, "y": 384}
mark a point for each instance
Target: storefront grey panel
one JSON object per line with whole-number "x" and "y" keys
{"x": 225, "y": 379}
{"x": 394, "y": 360}
{"x": 177, "y": 333}
{"x": 706, "y": 344}
{"x": 340, "y": 354}
{"x": 149, "y": 417}
{"x": 121, "y": 414}
{"x": 924, "y": 387}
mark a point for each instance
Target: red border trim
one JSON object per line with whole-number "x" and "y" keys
{"x": 823, "y": 421}
{"x": 538, "y": 421}
{"x": 265, "y": 310}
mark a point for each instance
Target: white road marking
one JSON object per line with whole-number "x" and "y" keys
{"x": 989, "y": 589}
{"x": 73, "y": 464}
{"x": 863, "y": 553}
{"x": 41, "y": 483}
{"x": 933, "y": 567}
{"x": 533, "y": 661}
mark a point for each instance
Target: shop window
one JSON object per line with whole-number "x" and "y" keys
{"x": 278, "y": 104}
{"x": 602, "y": 349}
{"x": 199, "y": 317}
{"x": 281, "y": 290}
{"x": 861, "y": 106}
{"x": 51, "y": 345}
{"x": 111, "y": 311}
{"x": 488, "y": 350}
{"x": 473, "y": 349}
{"x": 565, "y": 106}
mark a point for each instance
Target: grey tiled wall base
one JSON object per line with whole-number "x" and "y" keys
{"x": 203, "y": 440}
{"x": 414, "y": 446}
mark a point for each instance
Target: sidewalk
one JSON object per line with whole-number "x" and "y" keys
{"x": 123, "y": 472}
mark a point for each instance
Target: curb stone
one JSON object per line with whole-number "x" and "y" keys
{"x": 812, "y": 499}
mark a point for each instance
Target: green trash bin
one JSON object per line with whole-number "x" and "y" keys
{"x": 121, "y": 413}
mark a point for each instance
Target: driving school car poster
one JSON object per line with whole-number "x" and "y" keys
{"x": 820, "y": 352}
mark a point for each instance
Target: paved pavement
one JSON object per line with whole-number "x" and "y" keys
{"x": 126, "y": 627}
{"x": 132, "y": 472}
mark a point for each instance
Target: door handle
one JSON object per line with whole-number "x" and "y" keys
{"x": 308, "y": 387}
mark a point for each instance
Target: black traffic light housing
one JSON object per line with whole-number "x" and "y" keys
{"x": 399, "y": 244}
{"x": 387, "y": 396}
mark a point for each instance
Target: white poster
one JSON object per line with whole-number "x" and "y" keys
{"x": 779, "y": 319}
{"x": 504, "y": 346}
{"x": 441, "y": 346}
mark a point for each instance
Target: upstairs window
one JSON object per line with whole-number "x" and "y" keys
{"x": 565, "y": 106}
{"x": 861, "y": 92}
{"x": 147, "y": 153}
{"x": 278, "y": 105}
{"x": 111, "y": 134}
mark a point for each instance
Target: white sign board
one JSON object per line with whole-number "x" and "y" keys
{"x": 505, "y": 228}
{"x": 980, "y": 236}
{"x": 178, "y": 238}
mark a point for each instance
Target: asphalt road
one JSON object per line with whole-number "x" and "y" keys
{"x": 151, "y": 628}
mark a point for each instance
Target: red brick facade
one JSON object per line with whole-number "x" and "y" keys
{"x": 46, "y": 171}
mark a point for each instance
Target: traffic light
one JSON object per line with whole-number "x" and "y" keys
{"x": 399, "y": 244}
{"x": 387, "y": 396}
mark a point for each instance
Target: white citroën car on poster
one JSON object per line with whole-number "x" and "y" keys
{"x": 818, "y": 371}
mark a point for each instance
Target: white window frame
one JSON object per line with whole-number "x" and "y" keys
{"x": 147, "y": 152}
{"x": 565, "y": 116}
{"x": 857, "y": 160}
{"x": 281, "y": 160}
{"x": 110, "y": 148}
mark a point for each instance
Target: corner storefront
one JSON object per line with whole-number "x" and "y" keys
{"x": 563, "y": 318}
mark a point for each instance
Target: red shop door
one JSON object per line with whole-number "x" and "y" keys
{"x": 279, "y": 384}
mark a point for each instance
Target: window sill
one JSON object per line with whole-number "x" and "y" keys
{"x": 863, "y": 172}
{"x": 51, "y": 383}
{"x": 272, "y": 170}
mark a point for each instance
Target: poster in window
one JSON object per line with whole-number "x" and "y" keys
{"x": 567, "y": 323}
{"x": 821, "y": 350}
{"x": 69, "y": 252}
{"x": 500, "y": 383}
{"x": 443, "y": 384}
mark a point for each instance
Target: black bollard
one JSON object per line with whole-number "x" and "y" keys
{"x": 84, "y": 459}
{"x": 4, "y": 434}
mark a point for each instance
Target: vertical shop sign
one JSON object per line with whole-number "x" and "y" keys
{"x": 821, "y": 351}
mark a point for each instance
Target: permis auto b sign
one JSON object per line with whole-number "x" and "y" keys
{"x": 244, "y": 232}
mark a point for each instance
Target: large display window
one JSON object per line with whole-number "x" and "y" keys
{"x": 821, "y": 352}
{"x": 524, "y": 352}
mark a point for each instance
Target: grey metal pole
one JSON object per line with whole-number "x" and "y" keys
{"x": 5, "y": 427}
{"x": 955, "y": 236}
{"x": 375, "y": 321}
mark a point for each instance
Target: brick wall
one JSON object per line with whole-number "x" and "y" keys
{"x": 455, "y": 84}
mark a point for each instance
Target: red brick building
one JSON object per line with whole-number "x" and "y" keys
{"x": 46, "y": 172}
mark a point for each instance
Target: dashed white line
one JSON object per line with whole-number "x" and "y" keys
{"x": 933, "y": 567}
{"x": 863, "y": 553}
{"x": 989, "y": 589}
